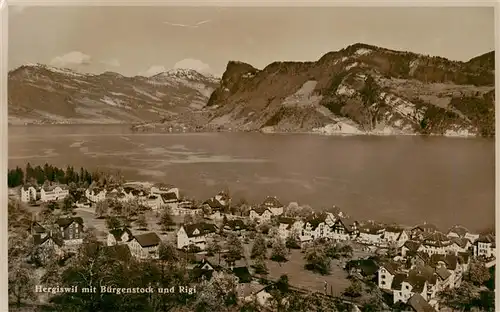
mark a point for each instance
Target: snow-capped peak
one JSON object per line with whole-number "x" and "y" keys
{"x": 185, "y": 73}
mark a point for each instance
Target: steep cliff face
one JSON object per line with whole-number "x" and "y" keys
{"x": 360, "y": 89}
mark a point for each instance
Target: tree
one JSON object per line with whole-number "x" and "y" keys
{"x": 292, "y": 210}
{"x": 234, "y": 248}
{"x": 218, "y": 294}
{"x": 461, "y": 298}
{"x": 113, "y": 223}
{"x": 213, "y": 246}
{"x": 478, "y": 273}
{"x": 292, "y": 241}
{"x": 279, "y": 251}
{"x": 68, "y": 203}
{"x": 260, "y": 266}
{"x": 102, "y": 208}
{"x": 141, "y": 222}
{"x": 188, "y": 219}
{"x": 259, "y": 248}
{"x": 166, "y": 221}
{"x": 21, "y": 284}
{"x": 168, "y": 252}
{"x": 317, "y": 260}
{"x": 354, "y": 290}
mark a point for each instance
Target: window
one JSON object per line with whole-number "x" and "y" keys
{"x": 383, "y": 283}
{"x": 407, "y": 287}
{"x": 383, "y": 276}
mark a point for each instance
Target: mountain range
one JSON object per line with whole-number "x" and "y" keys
{"x": 362, "y": 89}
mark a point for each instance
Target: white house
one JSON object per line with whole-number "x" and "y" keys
{"x": 371, "y": 233}
{"x": 195, "y": 234}
{"x": 119, "y": 236}
{"x": 50, "y": 193}
{"x": 394, "y": 235}
{"x": 344, "y": 229}
{"x": 154, "y": 201}
{"x": 145, "y": 246}
{"x": 436, "y": 243}
{"x": 315, "y": 228}
{"x": 261, "y": 214}
{"x": 386, "y": 274}
{"x": 459, "y": 245}
{"x": 48, "y": 246}
{"x": 71, "y": 230}
{"x": 457, "y": 231}
{"x": 404, "y": 286}
{"x": 28, "y": 193}
{"x": 95, "y": 194}
{"x": 287, "y": 226}
{"x": 171, "y": 200}
{"x": 332, "y": 214}
{"x": 418, "y": 232}
{"x": 186, "y": 208}
{"x": 273, "y": 204}
{"x": 485, "y": 246}
{"x": 448, "y": 268}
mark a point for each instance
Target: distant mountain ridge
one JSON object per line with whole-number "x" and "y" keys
{"x": 359, "y": 89}
{"x": 362, "y": 89}
{"x": 45, "y": 94}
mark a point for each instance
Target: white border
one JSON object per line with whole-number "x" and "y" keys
{"x": 232, "y": 3}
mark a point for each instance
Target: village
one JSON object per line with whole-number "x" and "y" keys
{"x": 326, "y": 252}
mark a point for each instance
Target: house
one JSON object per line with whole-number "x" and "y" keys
{"x": 242, "y": 274}
{"x": 436, "y": 243}
{"x": 472, "y": 237}
{"x": 457, "y": 231}
{"x": 395, "y": 235}
{"x": 203, "y": 271}
{"x": 449, "y": 263}
{"x": 160, "y": 188}
{"x": 212, "y": 205}
{"x": 418, "y": 232}
{"x": 333, "y": 213}
{"x": 419, "y": 304}
{"x": 224, "y": 199}
{"x": 433, "y": 281}
{"x": 28, "y": 193}
{"x": 195, "y": 234}
{"x": 484, "y": 246}
{"x": 371, "y": 233}
{"x": 119, "y": 236}
{"x": 171, "y": 200}
{"x": 464, "y": 260}
{"x": 273, "y": 204}
{"x": 47, "y": 246}
{"x": 386, "y": 274}
{"x": 186, "y": 207}
{"x": 261, "y": 214}
{"x": 344, "y": 229}
{"x": 410, "y": 248}
{"x": 459, "y": 245}
{"x": 37, "y": 229}
{"x": 236, "y": 226}
{"x": 71, "y": 231}
{"x": 145, "y": 246}
{"x": 53, "y": 192}
{"x": 288, "y": 226}
{"x": 154, "y": 201}
{"x": 404, "y": 286}
{"x": 95, "y": 194}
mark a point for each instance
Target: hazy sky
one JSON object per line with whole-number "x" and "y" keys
{"x": 146, "y": 40}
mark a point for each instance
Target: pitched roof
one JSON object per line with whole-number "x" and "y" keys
{"x": 459, "y": 230}
{"x": 243, "y": 274}
{"x": 261, "y": 209}
{"x": 371, "y": 228}
{"x": 489, "y": 238}
{"x": 213, "y": 203}
{"x": 169, "y": 196}
{"x": 425, "y": 271}
{"x": 437, "y": 239}
{"x": 443, "y": 273}
{"x": 285, "y": 220}
{"x": 38, "y": 240}
{"x": 450, "y": 261}
{"x": 461, "y": 242}
{"x": 391, "y": 267}
{"x": 272, "y": 202}
{"x": 148, "y": 239}
{"x": 463, "y": 257}
{"x": 235, "y": 225}
{"x": 202, "y": 227}
{"x": 419, "y": 304}
{"x": 367, "y": 266}
{"x": 347, "y": 223}
{"x": 417, "y": 281}
{"x": 65, "y": 222}
{"x": 38, "y": 228}
{"x": 394, "y": 229}
{"x": 398, "y": 280}
{"x": 412, "y": 245}
{"x": 117, "y": 233}
{"x": 426, "y": 227}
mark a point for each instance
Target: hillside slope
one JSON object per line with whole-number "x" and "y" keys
{"x": 44, "y": 94}
{"x": 360, "y": 89}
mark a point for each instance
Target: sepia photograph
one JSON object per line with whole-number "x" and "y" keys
{"x": 251, "y": 158}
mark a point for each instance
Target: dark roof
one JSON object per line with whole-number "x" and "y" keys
{"x": 398, "y": 280}
{"x": 390, "y": 266}
{"x": 285, "y": 220}
{"x": 243, "y": 274}
{"x": 450, "y": 261}
{"x": 65, "y": 222}
{"x": 333, "y": 210}
{"x": 412, "y": 245}
{"x": 368, "y": 267}
{"x": 426, "y": 227}
{"x": 462, "y": 242}
{"x": 260, "y": 210}
{"x": 118, "y": 252}
{"x": 426, "y": 272}
{"x": 202, "y": 263}
{"x": 117, "y": 233}
{"x": 394, "y": 228}
{"x": 419, "y": 304}
{"x": 213, "y": 203}
{"x": 235, "y": 225}
{"x": 347, "y": 223}
{"x": 37, "y": 228}
{"x": 417, "y": 281}
{"x": 437, "y": 239}
{"x": 371, "y": 228}
{"x": 489, "y": 238}
{"x": 443, "y": 273}
{"x": 169, "y": 196}
{"x": 203, "y": 228}
{"x": 38, "y": 240}
{"x": 459, "y": 230}
{"x": 314, "y": 221}
{"x": 272, "y": 202}
{"x": 148, "y": 239}
{"x": 463, "y": 257}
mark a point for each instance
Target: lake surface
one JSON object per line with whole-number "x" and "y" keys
{"x": 407, "y": 180}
